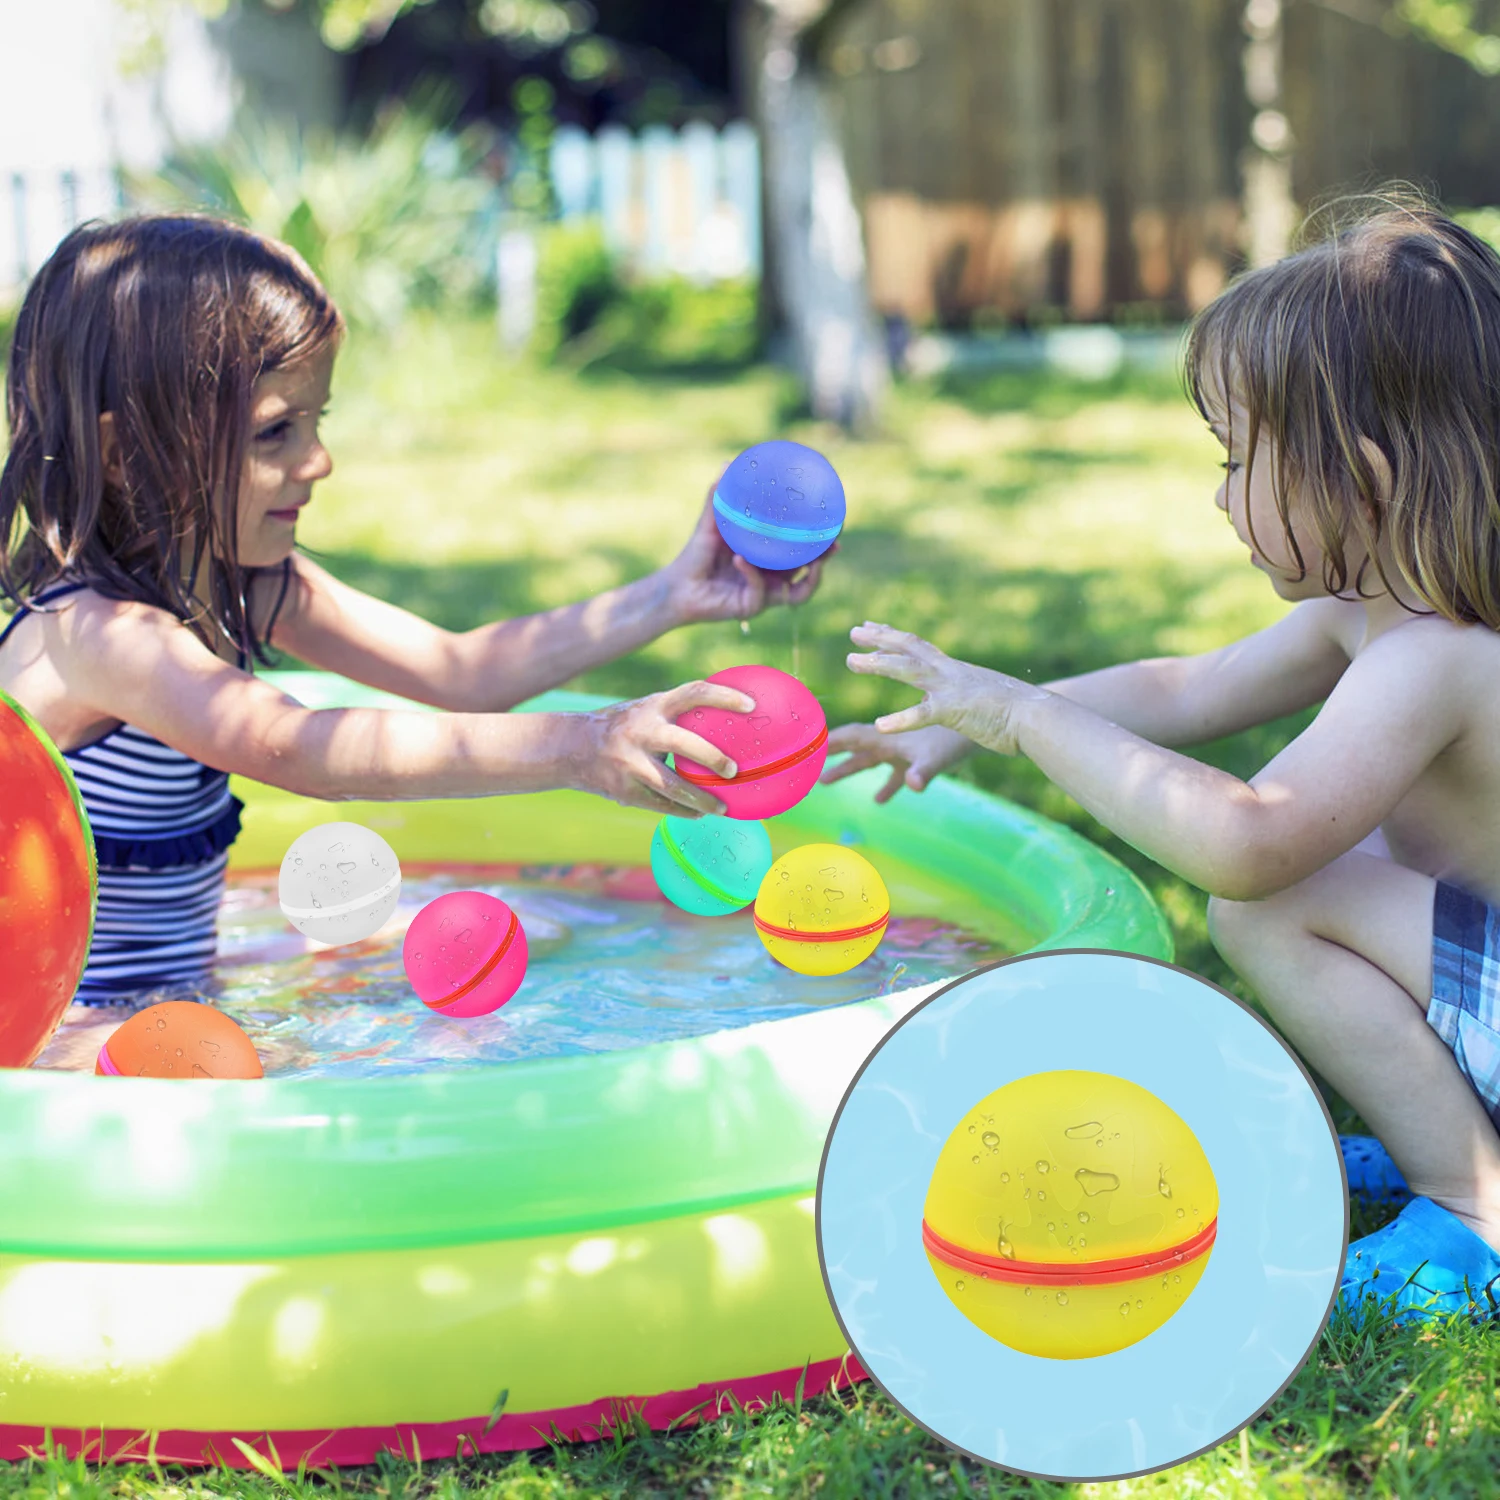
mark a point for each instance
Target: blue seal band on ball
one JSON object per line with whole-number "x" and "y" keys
{"x": 770, "y": 529}
{"x": 698, "y": 879}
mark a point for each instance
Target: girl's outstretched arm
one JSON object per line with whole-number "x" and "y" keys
{"x": 138, "y": 664}
{"x": 331, "y": 625}
{"x": 1395, "y": 708}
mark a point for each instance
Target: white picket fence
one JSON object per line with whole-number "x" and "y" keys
{"x": 39, "y": 206}
{"x": 670, "y": 203}
{"x": 684, "y": 203}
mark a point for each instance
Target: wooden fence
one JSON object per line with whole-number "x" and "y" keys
{"x": 1082, "y": 158}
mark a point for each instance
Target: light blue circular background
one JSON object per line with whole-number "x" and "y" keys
{"x": 1270, "y": 1280}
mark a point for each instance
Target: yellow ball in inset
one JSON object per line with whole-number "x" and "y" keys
{"x": 822, "y": 909}
{"x": 1070, "y": 1214}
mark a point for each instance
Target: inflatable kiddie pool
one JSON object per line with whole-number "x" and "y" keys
{"x": 320, "y": 1268}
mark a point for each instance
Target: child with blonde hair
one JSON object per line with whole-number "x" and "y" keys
{"x": 165, "y": 386}
{"x": 1354, "y": 882}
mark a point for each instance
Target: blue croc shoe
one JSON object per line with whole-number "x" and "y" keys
{"x": 1425, "y": 1263}
{"x": 1371, "y": 1172}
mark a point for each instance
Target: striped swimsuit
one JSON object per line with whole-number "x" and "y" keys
{"x": 163, "y": 824}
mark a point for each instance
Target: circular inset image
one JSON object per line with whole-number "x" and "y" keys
{"x": 1082, "y": 1214}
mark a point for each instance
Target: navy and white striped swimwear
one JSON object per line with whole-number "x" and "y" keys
{"x": 163, "y": 824}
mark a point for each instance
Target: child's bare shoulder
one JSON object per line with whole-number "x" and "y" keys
{"x": 68, "y": 661}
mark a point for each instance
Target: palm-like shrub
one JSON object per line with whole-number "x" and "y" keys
{"x": 399, "y": 218}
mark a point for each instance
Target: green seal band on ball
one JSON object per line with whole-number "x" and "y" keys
{"x": 770, "y": 529}
{"x": 700, "y": 880}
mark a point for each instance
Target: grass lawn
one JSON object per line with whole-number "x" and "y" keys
{"x": 1028, "y": 523}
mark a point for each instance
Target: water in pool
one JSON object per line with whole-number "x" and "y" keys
{"x": 611, "y": 966}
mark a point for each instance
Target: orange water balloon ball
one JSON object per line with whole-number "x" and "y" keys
{"x": 179, "y": 1039}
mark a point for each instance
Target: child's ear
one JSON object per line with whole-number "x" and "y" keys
{"x": 1381, "y": 465}
{"x": 109, "y": 451}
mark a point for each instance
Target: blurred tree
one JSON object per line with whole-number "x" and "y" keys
{"x": 1470, "y": 29}
{"x": 815, "y": 251}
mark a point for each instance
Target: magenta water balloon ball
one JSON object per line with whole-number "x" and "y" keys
{"x": 465, "y": 953}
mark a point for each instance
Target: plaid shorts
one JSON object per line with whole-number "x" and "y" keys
{"x": 1465, "y": 1005}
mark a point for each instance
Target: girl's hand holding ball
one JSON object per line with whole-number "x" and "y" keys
{"x": 620, "y": 748}
{"x": 709, "y": 580}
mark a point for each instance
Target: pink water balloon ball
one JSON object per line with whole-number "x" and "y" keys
{"x": 465, "y": 954}
{"x": 778, "y": 748}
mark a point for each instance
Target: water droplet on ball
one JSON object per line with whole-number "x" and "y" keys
{"x": 1094, "y": 1183}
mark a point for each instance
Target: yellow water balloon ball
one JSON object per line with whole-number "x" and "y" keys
{"x": 1070, "y": 1214}
{"x": 822, "y": 909}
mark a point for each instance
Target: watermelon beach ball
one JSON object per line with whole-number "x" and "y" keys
{"x": 179, "y": 1039}
{"x": 778, "y": 747}
{"x": 1070, "y": 1214}
{"x": 465, "y": 953}
{"x": 710, "y": 866}
{"x": 779, "y": 505}
{"x": 821, "y": 909}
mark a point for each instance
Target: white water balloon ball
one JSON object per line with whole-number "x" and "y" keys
{"x": 340, "y": 883}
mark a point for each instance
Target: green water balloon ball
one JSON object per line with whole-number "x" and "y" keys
{"x": 710, "y": 866}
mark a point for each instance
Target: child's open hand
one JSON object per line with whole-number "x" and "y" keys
{"x": 623, "y": 746}
{"x": 977, "y": 702}
{"x": 916, "y": 756}
{"x": 710, "y": 581}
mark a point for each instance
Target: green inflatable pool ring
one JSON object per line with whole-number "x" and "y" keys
{"x": 477, "y": 1260}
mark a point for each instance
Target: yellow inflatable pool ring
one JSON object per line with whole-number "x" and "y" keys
{"x": 447, "y": 1262}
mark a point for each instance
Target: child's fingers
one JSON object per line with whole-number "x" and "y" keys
{"x": 892, "y": 786}
{"x": 899, "y": 642}
{"x": 679, "y": 700}
{"x": 915, "y": 717}
{"x": 686, "y": 745}
{"x": 685, "y": 799}
{"x": 856, "y": 761}
{"x": 886, "y": 664}
{"x": 755, "y": 583}
{"x": 854, "y": 736}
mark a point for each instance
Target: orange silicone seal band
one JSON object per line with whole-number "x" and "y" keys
{"x": 771, "y": 767}
{"x": 487, "y": 968}
{"x": 848, "y": 935}
{"x": 1057, "y": 1273}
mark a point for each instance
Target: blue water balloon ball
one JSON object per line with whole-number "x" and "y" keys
{"x": 710, "y": 866}
{"x": 779, "y": 505}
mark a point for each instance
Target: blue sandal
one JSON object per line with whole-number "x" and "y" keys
{"x": 1424, "y": 1264}
{"x": 1372, "y": 1173}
